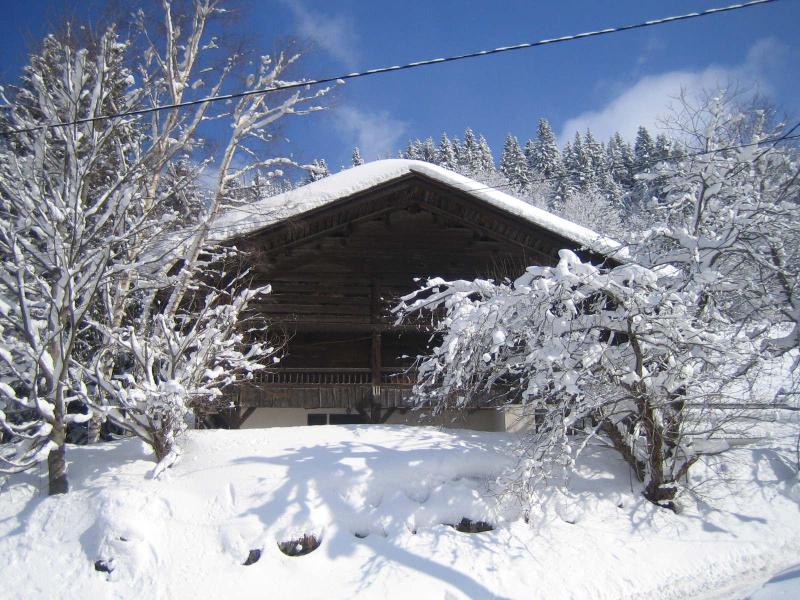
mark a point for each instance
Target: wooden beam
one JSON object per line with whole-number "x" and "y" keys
{"x": 387, "y": 414}
{"x": 375, "y": 318}
{"x": 244, "y": 416}
{"x": 234, "y": 417}
{"x": 375, "y": 362}
{"x": 328, "y": 219}
{"x": 376, "y": 377}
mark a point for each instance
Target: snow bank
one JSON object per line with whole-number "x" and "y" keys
{"x": 379, "y": 498}
{"x": 260, "y": 214}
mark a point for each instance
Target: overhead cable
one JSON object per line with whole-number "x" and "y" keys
{"x": 404, "y": 67}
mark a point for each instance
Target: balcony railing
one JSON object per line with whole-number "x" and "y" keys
{"x": 332, "y": 377}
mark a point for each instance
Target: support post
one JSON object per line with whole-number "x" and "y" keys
{"x": 375, "y": 358}
{"x": 376, "y": 376}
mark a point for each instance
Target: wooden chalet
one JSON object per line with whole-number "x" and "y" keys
{"x": 338, "y": 254}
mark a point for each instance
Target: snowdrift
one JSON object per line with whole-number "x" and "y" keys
{"x": 381, "y": 501}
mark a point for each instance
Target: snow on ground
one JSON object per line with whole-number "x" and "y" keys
{"x": 785, "y": 584}
{"x": 187, "y": 534}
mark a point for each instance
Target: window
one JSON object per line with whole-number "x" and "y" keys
{"x": 353, "y": 419}
{"x": 335, "y": 419}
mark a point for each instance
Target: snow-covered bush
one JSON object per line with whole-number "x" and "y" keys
{"x": 606, "y": 349}
{"x": 179, "y": 364}
{"x": 655, "y": 354}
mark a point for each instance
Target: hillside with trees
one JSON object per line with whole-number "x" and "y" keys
{"x": 599, "y": 185}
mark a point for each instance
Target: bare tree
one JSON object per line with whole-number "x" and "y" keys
{"x": 732, "y": 212}
{"x": 95, "y": 305}
{"x": 156, "y": 304}
{"x": 579, "y": 346}
{"x": 67, "y": 195}
{"x": 659, "y": 358}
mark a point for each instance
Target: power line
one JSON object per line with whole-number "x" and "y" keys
{"x": 407, "y": 66}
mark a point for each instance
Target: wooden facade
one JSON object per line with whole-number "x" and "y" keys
{"x": 336, "y": 271}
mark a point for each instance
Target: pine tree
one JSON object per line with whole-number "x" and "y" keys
{"x": 428, "y": 151}
{"x": 596, "y": 157}
{"x": 677, "y": 152}
{"x": 413, "y": 150}
{"x": 644, "y": 160}
{"x": 601, "y": 181}
{"x": 469, "y": 158}
{"x": 530, "y": 154}
{"x": 620, "y": 158}
{"x": 485, "y": 158}
{"x": 543, "y": 155}
{"x": 513, "y": 163}
{"x": 662, "y": 153}
{"x": 578, "y": 165}
{"x": 663, "y": 148}
{"x": 644, "y": 151}
{"x": 458, "y": 151}
{"x": 563, "y": 184}
{"x": 566, "y": 155}
{"x": 445, "y": 155}
{"x": 357, "y": 160}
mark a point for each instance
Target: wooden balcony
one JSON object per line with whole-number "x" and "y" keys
{"x": 327, "y": 388}
{"x": 390, "y": 376}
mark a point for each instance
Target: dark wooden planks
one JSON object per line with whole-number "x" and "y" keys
{"x": 337, "y": 270}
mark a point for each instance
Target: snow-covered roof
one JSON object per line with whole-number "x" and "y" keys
{"x": 255, "y": 216}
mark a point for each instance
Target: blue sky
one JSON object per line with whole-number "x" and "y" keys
{"x": 608, "y": 83}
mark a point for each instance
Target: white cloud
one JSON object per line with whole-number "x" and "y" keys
{"x": 649, "y": 99}
{"x": 333, "y": 33}
{"x": 653, "y": 45}
{"x": 375, "y": 133}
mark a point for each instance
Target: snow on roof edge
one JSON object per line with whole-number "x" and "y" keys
{"x": 546, "y": 220}
{"x": 258, "y": 215}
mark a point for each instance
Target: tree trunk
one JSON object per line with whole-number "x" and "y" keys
{"x": 93, "y": 433}
{"x": 661, "y": 494}
{"x": 57, "y": 471}
{"x": 658, "y": 490}
{"x": 57, "y": 460}
{"x": 162, "y": 446}
{"x": 621, "y": 446}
